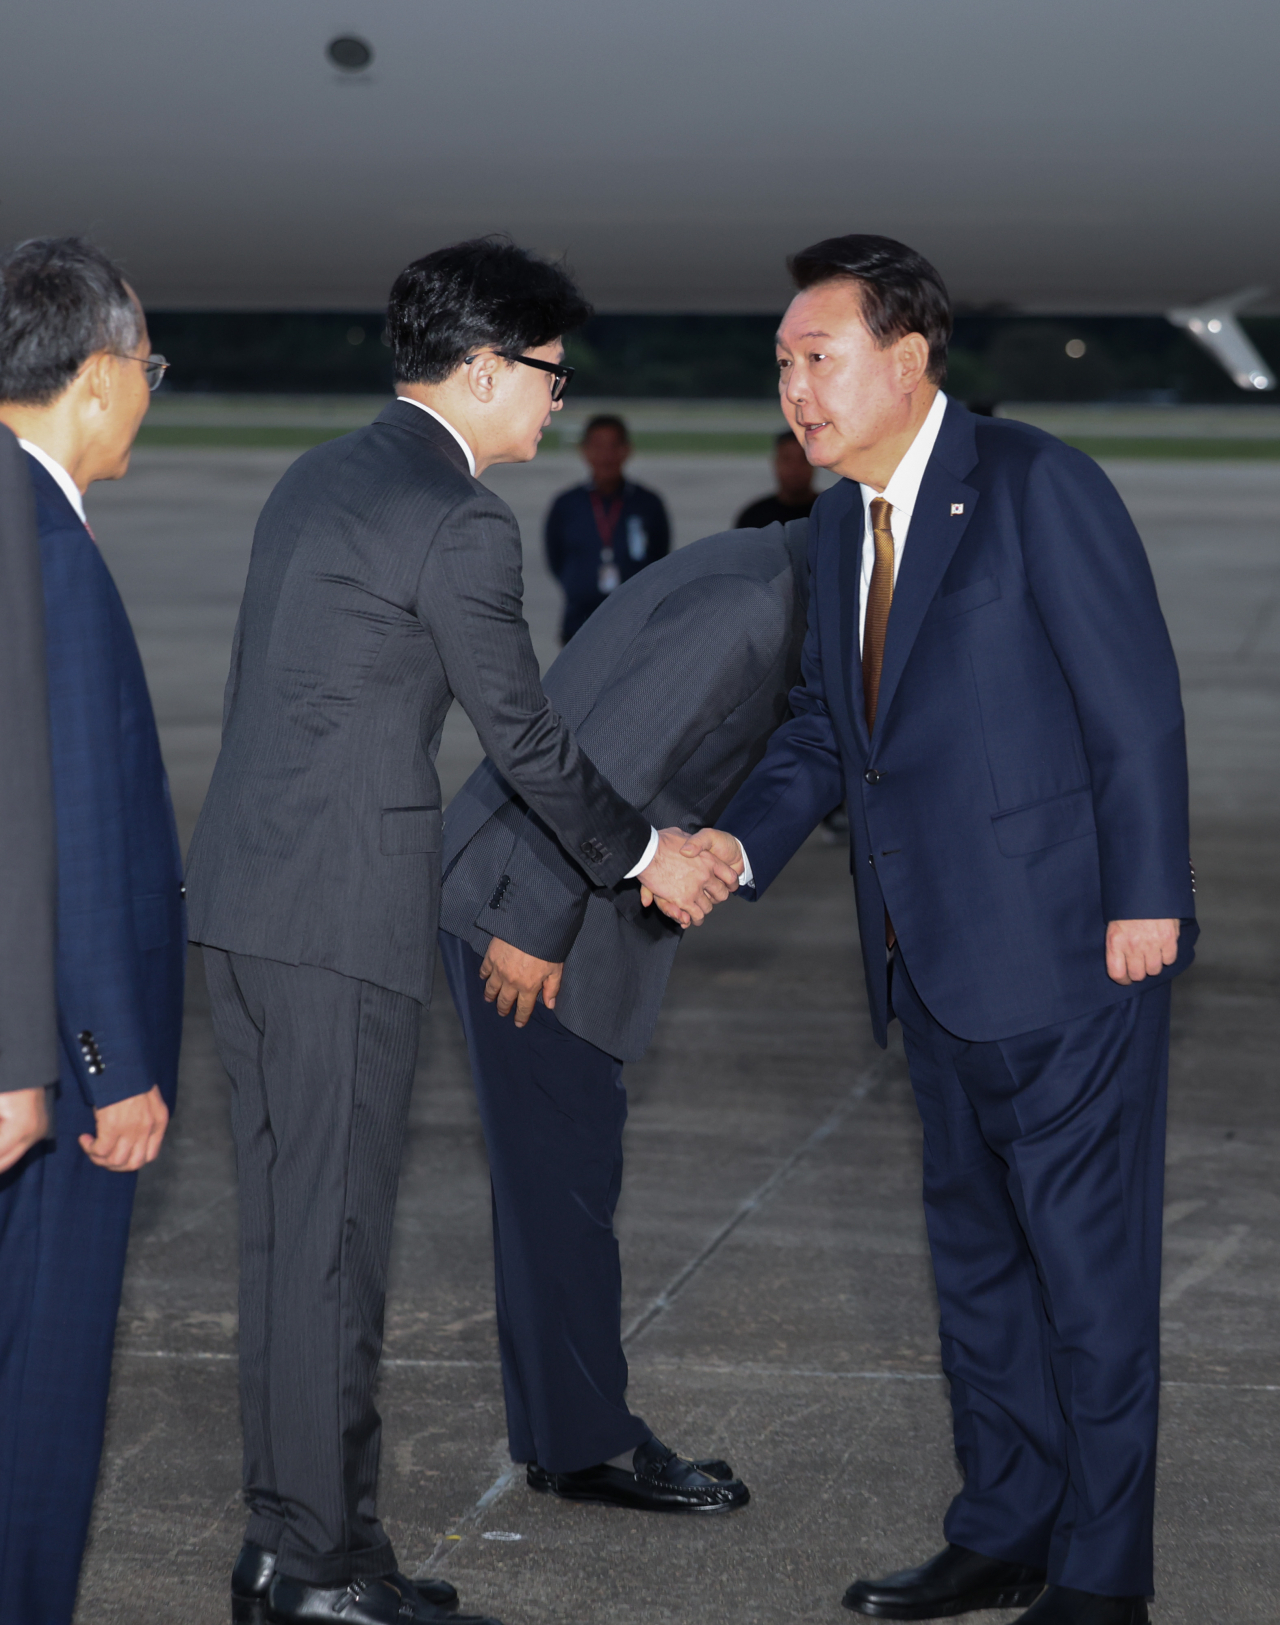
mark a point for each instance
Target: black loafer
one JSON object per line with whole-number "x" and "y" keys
{"x": 956, "y": 1581}
{"x": 388, "y": 1600}
{"x": 251, "y": 1578}
{"x": 660, "y": 1481}
{"x": 1060, "y": 1605}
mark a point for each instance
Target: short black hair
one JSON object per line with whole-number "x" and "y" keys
{"x": 486, "y": 292}
{"x": 61, "y": 301}
{"x": 901, "y": 292}
{"x": 608, "y": 420}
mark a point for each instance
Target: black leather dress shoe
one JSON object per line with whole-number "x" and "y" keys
{"x": 255, "y": 1566}
{"x": 249, "y": 1581}
{"x": 660, "y": 1481}
{"x": 388, "y": 1600}
{"x": 956, "y": 1581}
{"x": 1060, "y": 1605}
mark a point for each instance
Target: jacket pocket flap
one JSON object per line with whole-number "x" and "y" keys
{"x": 1044, "y": 823}
{"x": 964, "y": 598}
{"x": 406, "y": 830}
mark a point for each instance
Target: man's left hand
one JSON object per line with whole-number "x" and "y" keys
{"x": 129, "y": 1133}
{"x": 513, "y": 977}
{"x": 1137, "y": 949}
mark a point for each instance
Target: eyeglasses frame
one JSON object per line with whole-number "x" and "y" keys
{"x": 563, "y": 374}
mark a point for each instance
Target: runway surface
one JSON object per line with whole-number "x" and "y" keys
{"x": 778, "y": 1291}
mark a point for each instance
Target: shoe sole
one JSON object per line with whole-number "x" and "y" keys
{"x": 1012, "y": 1597}
{"x": 585, "y": 1496}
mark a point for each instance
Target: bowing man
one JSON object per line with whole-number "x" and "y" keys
{"x": 75, "y": 370}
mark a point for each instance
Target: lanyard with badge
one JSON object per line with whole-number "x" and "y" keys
{"x": 609, "y": 576}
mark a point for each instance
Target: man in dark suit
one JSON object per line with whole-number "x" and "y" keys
{"x": 519, "y": 920}
{"x": 600, "y": 534}
{"x": 75, "y": 366}
{"x": 794, "y": 496}
{"x": 988, "y": 676}
{"x": 28, "y": 1009}
{"x": 384, "y": 582}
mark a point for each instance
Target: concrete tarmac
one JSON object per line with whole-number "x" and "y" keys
{"x": 779, "y": 1302}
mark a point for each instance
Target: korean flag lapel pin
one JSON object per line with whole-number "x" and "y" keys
{"x": 956, "y": 508}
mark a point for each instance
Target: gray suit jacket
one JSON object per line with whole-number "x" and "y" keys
{"x": 28, "y": 1003}
{"x": 675, "y": 685}
{"x": 384, "y": 582}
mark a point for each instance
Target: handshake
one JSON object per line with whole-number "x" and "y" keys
{"x": 690, "y": 874}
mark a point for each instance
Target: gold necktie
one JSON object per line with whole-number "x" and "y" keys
{"x": 879, "y": 598}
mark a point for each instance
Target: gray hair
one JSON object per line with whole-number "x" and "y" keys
{"x": 61, "y": 301}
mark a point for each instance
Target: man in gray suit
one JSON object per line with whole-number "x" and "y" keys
{"x": 674, "y": 686}
{"x": 28, "y": 1009}
{"x": 384, "y": 582}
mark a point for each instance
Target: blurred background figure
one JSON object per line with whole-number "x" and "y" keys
{"x": 794, "y": 496}
{"x": 603, "y": 532}
{"x": 75, "y": 375}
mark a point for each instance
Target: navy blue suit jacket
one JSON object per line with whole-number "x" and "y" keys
{"x": 1027, "y": 781}
{"x": 121, "y": 952}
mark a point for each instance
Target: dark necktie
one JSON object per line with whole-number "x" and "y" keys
{"x": 879, "y": 598}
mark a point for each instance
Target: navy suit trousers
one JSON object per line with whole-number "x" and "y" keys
{"x": 1043, "y": 1191}
{"x": 553, "y": 1108}
{"x": 64, "y": 1230}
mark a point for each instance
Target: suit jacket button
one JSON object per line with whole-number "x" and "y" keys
{"x": 871, "y": 776}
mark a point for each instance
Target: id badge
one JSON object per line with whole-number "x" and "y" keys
{"x": 608, "y": 578}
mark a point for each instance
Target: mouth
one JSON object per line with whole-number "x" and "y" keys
{"x": 813, "y": 428}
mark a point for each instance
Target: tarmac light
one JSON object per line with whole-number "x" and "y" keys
{"x": 1215, "y": 327}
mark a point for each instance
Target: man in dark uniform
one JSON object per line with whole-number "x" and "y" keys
{"x": 600, "y": 534}
{"x": 795, "y": 495}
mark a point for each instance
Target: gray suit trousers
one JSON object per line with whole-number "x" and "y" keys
{"x": 321, "y": 1070}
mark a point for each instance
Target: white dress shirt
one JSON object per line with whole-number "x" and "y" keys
{"x": 902, "y": 490}
{"x": 651, "y": 849}
{"x": 65, "y": 483}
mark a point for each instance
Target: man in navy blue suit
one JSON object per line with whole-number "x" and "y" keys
{"x": 988, "y": 678}
{"x": 75, "y": 371}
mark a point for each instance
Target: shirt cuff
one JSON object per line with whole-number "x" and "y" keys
{"x": 650, "y": 852}
{"x": 746, "y": 878}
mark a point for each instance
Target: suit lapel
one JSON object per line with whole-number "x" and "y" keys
{"x": 939, "y": 519}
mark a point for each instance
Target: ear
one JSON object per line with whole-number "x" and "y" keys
{"x": 913, "y": 360}
{"x": 98, "y": 378}
{"x": 482, "y": 375}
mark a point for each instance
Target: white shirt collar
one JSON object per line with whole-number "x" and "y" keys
{"x": 471, "y": 461}
{"x": 904, "y": 485}
{"x": 65, "y": 483}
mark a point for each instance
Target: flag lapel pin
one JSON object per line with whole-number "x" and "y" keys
{"x": 956, "y": 507}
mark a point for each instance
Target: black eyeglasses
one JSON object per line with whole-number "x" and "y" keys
{"x": 563, "y": 374}
{"x": 156, "y": 366}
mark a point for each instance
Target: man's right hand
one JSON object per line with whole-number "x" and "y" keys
{"x": 24, "y": 1121}
{"x": 684, "y": 887}
{"x": 513, "y": 977}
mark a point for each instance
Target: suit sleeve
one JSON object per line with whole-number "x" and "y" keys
{"x": 100, "y": 986}
{"x": 800, "y": 778}
{"x": 646, "y": 723}
{"x": 469, "y": 598}
{"x": 1094, "y": 591}
{"x": 28, "y": 1009}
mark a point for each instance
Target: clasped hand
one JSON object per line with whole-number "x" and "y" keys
{"x": 690, "y": 874}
